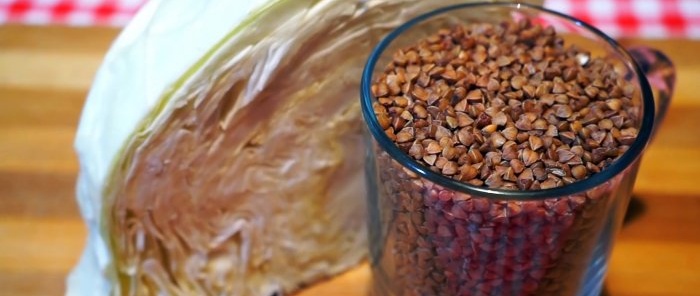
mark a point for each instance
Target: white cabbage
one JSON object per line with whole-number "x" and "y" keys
{"x": 220, "y": 147}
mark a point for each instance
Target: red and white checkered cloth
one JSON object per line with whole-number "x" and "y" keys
{"x": 640, "y": 18}
{"x": 69, "y": 12}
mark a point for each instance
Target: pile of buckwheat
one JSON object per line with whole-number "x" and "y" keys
{"x": 507, "y": 106}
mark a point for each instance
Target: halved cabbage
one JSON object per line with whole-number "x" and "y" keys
{"x": 221, "y": 149}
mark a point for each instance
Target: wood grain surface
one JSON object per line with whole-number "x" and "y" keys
{"x": 45, "y": 73}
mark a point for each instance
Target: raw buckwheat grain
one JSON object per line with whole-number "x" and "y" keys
{"x": 506, "y": 106}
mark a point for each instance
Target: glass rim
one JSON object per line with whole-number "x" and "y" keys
{"x": 619, "y": 165}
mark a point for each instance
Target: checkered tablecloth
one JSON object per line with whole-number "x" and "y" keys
{"x": 69, "y": 12}
{"x": 643, "y": 18}
{"x": 640, "y": 18}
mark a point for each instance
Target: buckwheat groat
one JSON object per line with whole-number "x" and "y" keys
{"x": 507, "y": 106}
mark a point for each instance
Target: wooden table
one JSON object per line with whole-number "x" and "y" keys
{"x": 44, "y": 77}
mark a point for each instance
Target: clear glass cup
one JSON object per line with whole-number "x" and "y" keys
{"x": 432, "y": 235}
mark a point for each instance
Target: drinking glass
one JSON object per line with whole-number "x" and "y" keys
{"x": 432, "y": 235}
